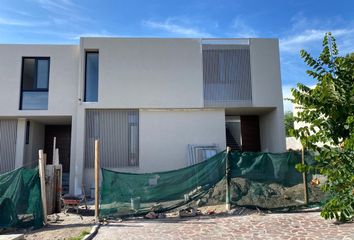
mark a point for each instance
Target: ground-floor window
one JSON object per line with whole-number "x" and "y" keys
{"x": 118, "y": 132}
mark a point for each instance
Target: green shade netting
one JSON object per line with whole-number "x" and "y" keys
{"x": 262, "y": 180}
{"x": 122, "y": 193}
{"x": 20, "y": 199}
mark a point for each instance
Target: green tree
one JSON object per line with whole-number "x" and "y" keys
{"x": 328, "y": 111}
{"x": 289, "y": 124}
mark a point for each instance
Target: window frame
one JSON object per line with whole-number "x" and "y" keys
{"x": 85, "y": 74}
{"x": 35, "y": 79}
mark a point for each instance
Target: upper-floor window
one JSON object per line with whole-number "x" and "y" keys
{"x": 91, "y": 77}
{"x": 34, "y": 83}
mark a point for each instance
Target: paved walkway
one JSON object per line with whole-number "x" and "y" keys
{"x": 255, "y": 226}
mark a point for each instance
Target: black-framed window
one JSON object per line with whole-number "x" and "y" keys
{"x": 34, "y": 83}
{"x": 91, "y": 76}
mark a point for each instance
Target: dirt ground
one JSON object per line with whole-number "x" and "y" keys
{"x": 63, "y": 226}
{"x": 67, "y": 226}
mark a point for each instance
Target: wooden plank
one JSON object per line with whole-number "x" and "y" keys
{"x": 97, "y": 178}
{"x": 54, "y": 147}
{"x": 12, "y": 236}
{"x": 227, "y": 175}
{"x": 42, "y": 181}
{"x": 304, "y": 177}
{"x": 56, "y": 158}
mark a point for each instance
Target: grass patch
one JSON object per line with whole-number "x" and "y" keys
{"x": 81, "y": 236}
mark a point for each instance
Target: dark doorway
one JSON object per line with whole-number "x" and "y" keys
{"x": 250, "y": 133}
{"x": 63, "y": 143}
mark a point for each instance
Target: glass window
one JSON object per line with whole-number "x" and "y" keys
{"x": 35, "y": 78}
{"x": 28, "y": 73}
{"x": 34, "y": 100}
{"x": 42, "y": 73}
{"x": 91, "y": 77}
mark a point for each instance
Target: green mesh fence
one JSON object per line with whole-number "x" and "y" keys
{"x": 270, "y": 181}
{"x": 261, "y": 180}
{"x": 20, "y": 199}
{"x": 137, "y": 194}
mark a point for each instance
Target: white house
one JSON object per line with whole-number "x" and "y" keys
{"x": 150, "y": 101}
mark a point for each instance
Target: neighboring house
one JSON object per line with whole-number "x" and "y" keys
{"x": 150, "y": 101}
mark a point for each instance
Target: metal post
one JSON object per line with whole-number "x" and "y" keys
{"x": 227, "y": 175}
{"x": 97, "y": 179}
{"x": 304, "y": 177}
{"x": 41, "y": 168}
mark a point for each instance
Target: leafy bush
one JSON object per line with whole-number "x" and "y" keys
{"x": 327, "y": 111}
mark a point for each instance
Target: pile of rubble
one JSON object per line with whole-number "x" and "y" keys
{"x": 244, "y": 192}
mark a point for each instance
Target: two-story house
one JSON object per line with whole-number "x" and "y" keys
{"x": 153, "y": 102}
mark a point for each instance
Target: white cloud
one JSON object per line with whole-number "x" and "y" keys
{"x": 55, "y": 5}
{"x": 91, "y": 34}
{"x": 294, "y": 43}
{"x": 243, "y": 30}
{"x": 63, "y": 12}
{"x": 21, "y": 23}
{"x": 169, "y": 25}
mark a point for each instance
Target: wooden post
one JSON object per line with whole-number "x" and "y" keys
{"x": 97, "y": 179}
{"x": 227, "y": 175}
{"x": 41, "y": 168}
{"x": 304, "y": 177}
{"x": 44, "y": 159}
{"x": 54, "y": 147}
{"x": 56, "y": 158}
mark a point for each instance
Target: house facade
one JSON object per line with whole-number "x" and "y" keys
{"x": 155, "y": 104}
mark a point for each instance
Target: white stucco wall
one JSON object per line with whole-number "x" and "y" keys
{"x": 20, "y": 142}
{"x": 164, "y": 136}
{"x": 267, "y": 92}
{"x": 147, "y": 72}
{"x": 36, "y": 142}
{"x": 63, "y": 78}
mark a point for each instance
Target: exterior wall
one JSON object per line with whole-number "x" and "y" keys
{"x": 63, "y": 75}
{"x": 147, "y": 73}
{"x": 36, "y": 142}
{"x": 20, "y": 142}
{"x": 267, "y": 92}
{"x": 164, "y": 136}
{"x": 272, "y": 132}
{"x": 62, "y": 94}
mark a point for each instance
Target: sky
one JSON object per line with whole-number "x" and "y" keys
{"x": 298, "y": 24}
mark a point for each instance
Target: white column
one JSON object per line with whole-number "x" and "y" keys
{"x": 20, "y": 142}
{"x": 79, "y": 153}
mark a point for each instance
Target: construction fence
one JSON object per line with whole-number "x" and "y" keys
{"x": 262, "y": 180}
{"x": 20, "y": 199}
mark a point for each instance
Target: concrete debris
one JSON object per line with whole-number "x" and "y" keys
{"x": 188, "y": 212}
{"x": 151, "y": 215}
{"x": 53, "y": 218}
{"x": 201, "y": 202}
